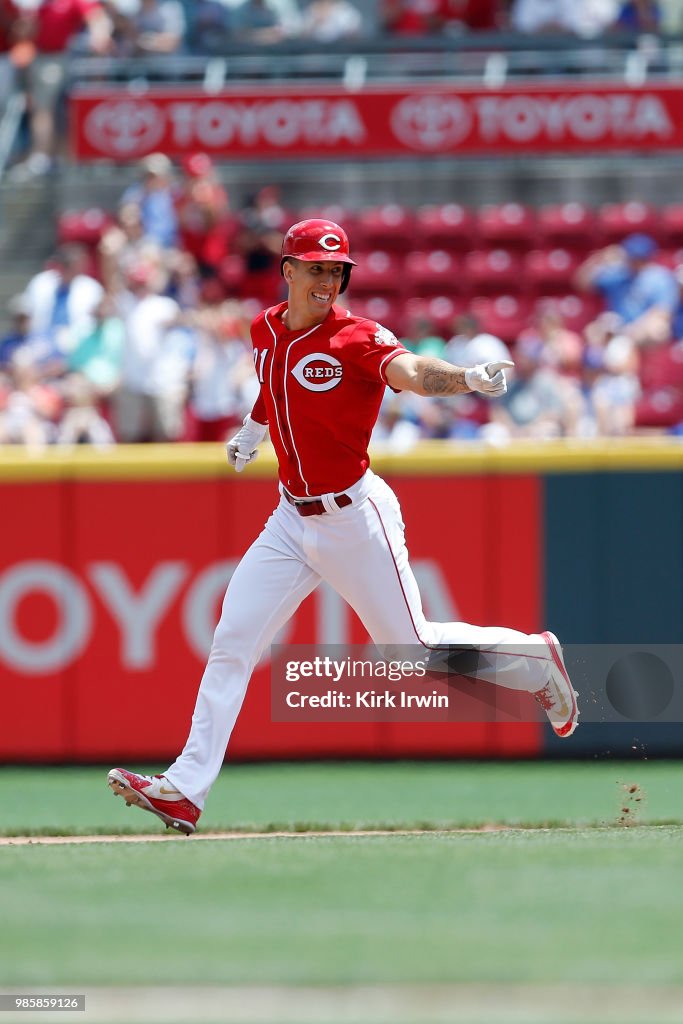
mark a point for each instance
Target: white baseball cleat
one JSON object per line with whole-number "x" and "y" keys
{"x": 558, "y": 696}
{"x": 156, "y": 794}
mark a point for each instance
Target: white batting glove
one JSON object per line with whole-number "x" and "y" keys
{"x": 488, "y": 378}
{"x": 243, "y": 447}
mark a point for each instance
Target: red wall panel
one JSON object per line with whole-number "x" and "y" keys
{"x": 129, "y": 538}
{"x": 147, "y": 562}
{"x": 33, "y": 719}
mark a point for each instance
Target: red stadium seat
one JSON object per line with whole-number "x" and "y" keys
{"x": 377, "y": 273}
{"x": 576, "y": 310}
{"x": 568, "y": 225}
{"x": 671, "y": 258}
{"x": 335, "y": 212}
{"x": 385, "y": 311}
{"x": 661, "y": 366}
{"x": 550, "y": 270}
{"x": 671, "y": 225}
{"x": 509, "y": 224}
{"x": 440, "y": 309}
{"x": 433, "y": 273}
{"x": 84, "y": 226}
{"x": 449, "y": 226}
{"x": 506, "y": 316}
{"x": 660, "y": 408}
{"x": 617, "y": 220}
{"x": 493, "y": 272}
{"x": 384, "y": 227}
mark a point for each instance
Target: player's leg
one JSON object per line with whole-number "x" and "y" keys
{"x": 375, "y": 577}
{"x": 266, "y": 588}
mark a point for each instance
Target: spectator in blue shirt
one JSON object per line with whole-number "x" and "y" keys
{"x": 639, "y": 16}
{"x": 155, "y": 197}
{"x": 32, "y": 348}
{"x": 639, "y": 290}
{"x": 20, "y": 332}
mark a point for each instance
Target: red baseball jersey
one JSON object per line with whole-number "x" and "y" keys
{"x": 58, "y": 21}
{"x": 321, "y": 390}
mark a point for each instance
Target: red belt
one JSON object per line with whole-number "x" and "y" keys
{"x": 315, "y": 508}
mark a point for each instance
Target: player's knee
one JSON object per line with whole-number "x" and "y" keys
{"x": 234, "y": 634}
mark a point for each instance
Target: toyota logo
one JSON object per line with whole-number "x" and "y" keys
{"x": 431, "y": 122}
{"x": 125, "y": 128}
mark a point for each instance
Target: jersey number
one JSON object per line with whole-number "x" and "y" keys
{"x": 258, "y": 363}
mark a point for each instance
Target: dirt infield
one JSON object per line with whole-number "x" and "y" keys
{"x": 377, "y": 1004}
{"x": 171, "y": 837}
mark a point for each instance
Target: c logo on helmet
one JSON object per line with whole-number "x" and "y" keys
{"x": 332, "y": 245}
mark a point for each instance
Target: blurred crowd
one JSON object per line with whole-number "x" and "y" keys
{"x": 38, "y": 37}
{"x": 139, "y": 27}
{"x": 621, "y": 373}
{"x": 127, "y": 28}
{"x": 143, "y": 334}
{"x": 583, "y": 18}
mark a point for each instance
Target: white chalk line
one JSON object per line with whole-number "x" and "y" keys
{"x": 174, "y": 837}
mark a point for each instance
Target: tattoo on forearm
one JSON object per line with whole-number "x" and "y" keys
{"x": 438, "y": 378}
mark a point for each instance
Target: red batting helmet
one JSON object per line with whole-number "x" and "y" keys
{"x": 318, "y": 241}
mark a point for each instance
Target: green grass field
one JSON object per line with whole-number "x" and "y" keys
{"x": 567, "y": 916}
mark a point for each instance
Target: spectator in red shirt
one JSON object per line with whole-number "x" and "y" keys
{"x": 203, "y": 213}
{"x": 472, "y": 15}
{"x": 259, "y": 241}
{"x": 57, "y": 22}
{"x": 8, "y": 19}
{"x": 425, "y": 17}
{"x": 411, "y": 17}
{"x": 53, "y": 28}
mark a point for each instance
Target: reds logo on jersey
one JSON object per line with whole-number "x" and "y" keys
{"x": 318, "y": 372}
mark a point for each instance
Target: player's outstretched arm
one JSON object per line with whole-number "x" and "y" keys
{"x": 425, "y": 375}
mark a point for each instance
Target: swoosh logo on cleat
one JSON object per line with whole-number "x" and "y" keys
{"x": 564, "y": 707}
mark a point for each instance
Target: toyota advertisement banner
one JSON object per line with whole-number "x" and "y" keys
{"x": 377, "y": 121}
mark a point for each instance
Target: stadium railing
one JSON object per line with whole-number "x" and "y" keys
{"x": 489, "y": 57}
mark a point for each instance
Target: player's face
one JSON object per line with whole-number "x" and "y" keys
{"x": 313, "y": 288}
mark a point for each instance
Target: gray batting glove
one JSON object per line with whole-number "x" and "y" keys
{"x": 243, "y": 447}
{"x": 488, "y": 378}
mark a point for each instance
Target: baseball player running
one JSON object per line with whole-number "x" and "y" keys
{"x": 322, "y": 373}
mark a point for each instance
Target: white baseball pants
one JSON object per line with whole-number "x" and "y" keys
{"x": 360, "y": 551}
